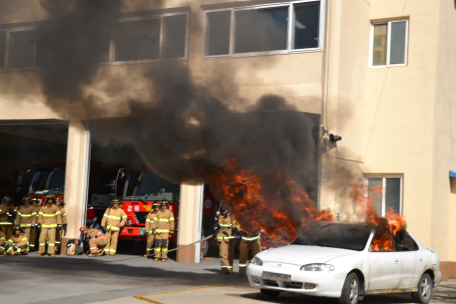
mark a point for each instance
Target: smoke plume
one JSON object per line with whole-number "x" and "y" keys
{"x": 181, "y": 127}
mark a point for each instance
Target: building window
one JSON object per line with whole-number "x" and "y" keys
{"x": 155, "y": 38}
{"x": 389, "y": 42}
{"x": 264, "y": 29}
{"x": 385, "y": 192}
{"x": 29, "y": 48}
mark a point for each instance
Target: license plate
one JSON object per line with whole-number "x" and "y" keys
{"x": 276, "y": 276}
{"x": 142, "y": 231}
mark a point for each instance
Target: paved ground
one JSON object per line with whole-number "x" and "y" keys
{"x": 132, "y": 279}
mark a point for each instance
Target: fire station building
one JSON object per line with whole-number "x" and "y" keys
{"x": 378, "y": 73}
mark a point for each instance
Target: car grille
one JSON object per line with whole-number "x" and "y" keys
{"x": 271, "y": 283}
{"x": 141, "y": 217}
{"x": 295, "y": 285}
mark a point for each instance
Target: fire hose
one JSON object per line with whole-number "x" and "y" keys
{"x": 202, "y": 240}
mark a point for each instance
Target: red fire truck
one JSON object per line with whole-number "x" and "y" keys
{"x": 141, "y": 189}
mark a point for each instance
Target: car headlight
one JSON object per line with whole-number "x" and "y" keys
{"x": 317, "y": 267}
{"x": 257, "y": 261}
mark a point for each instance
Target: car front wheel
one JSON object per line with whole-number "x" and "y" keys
{"x": 270, "y": 294}
{"x": 424, "y": 293}
{"x": 350, "y": 290}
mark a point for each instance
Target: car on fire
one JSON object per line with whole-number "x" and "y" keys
{"x": 337, "y": 260}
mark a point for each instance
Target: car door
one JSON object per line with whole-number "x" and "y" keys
{"x": 413, "y": 262}
{"x": 385, "y": 270}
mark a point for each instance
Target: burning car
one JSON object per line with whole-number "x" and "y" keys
{"x": 343, "y": 260}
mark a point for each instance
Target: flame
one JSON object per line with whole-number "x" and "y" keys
{"x": 387, "y": 226}
{"x": 282, "y": 214}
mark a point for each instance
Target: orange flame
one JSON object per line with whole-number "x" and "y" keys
{"x": 387, "y": 226}
{"x": 281, "y": 214}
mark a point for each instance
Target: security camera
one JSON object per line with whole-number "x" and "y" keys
{"x": 334, "y": 138}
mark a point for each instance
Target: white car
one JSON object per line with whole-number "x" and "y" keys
{"x": 336, "y": 260}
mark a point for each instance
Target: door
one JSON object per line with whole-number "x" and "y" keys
{"x": 412, "y": 268}
{"x": 385, "y": 270}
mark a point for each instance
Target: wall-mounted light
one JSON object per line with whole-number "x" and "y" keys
{"x": 334, "y": 138}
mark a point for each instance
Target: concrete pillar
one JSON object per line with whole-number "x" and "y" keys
{"x": 76, "y": 179}
{"x": 190, "y": 223}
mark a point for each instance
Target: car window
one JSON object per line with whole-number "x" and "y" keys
{"x": 336, "y": 235}
{"x": 404, "y": 242}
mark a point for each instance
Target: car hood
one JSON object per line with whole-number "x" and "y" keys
{"x": 302, "y": 254}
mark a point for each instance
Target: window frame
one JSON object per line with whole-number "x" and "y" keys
{"x": 112, "y": 52}
{"x": 8, "y": 53}
{"x": 384, "y": 177}
{"x": 290, "y": 30}
{"x": 388, "y": 43}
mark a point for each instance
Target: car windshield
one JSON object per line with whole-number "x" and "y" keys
{"x": 147, "y": 185}
{"x": 48, "y": 182}
{"x": 344, "y": 236}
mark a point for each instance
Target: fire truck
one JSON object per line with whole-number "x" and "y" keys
{"x": 141, "y": 189}
{"x": 50, "y": 179}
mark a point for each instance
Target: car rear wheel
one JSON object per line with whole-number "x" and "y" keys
{"x": 424, "y": 293}
{"x": 270, "y": 294}
{"x": 350, "y": 290}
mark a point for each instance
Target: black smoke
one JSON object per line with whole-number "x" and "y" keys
{"x": 178, "y": 125}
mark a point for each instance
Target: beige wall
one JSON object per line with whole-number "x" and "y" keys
{"x": 393, "y": 120}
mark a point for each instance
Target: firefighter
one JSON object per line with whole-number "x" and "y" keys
{"x": 113, "y": 220}
{"x": 49, "y": 219}
{"x": 58, "y": 238}
{"x": 7, "y": 211}
{"x": 150, "y": 231}
{"x": 97, "y": 240}
{"x": 249, "y": 241}
{"x": 225, "y": 239}
{"x": 26, "y": 217}
{"x": 2, "y": 241}
{"x": 164, "y": 226}
{"x": 33, "y": 232}
{"x": 18, "y": 243}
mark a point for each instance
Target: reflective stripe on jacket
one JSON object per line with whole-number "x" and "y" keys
{"x": 95, "y": 233}
{"x": 4, "y": 213}
{"x": 18, "y": 240}
{"x": 226, "y": 224}
{"x": 49, "y": 216}
{"x": 163, "y": 222}
{"x": 114, "y": 219}
{"x": 150, "y": 221}
{"x": 26, "y": 216}
{"x": 63, "y": 213}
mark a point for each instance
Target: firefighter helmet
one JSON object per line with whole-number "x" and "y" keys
{"x": 17, "y": 227}
{"x": 156, "y": 205}
{"x": 6, "y": 198}
{"x": 48, "y": 198}
{"x": 115, "y": 201}
{"x": 26, "y": 199}
{"x": 59, "y": 199}
{"x": 83, "y": 228}
{"x": 36, "y": 200}
{"x": 165, "y": 203}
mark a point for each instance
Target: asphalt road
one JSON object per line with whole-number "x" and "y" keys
{"x": 133, "y": 279}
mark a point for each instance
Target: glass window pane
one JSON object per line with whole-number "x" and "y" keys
{"x": 218, "y": 33}
{"x": 60, "y": 48}
{"x": 307, "y": 25}
{"x": 42, "y": 48}
{"x": 2, "y": 49}
{"x": 375, "y": 193}
{"x": 138, "y": 40}
{"x": 22, "y": 49}
{"x": 393, "y": 194}
{"x": 380, "y": 44}
{"x": 397, "y": 50}
{"x": 174, "y": 36}
{"x": 261, "y": 30}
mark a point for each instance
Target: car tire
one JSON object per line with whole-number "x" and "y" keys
{"x": 270, "y": 294}
{"x": 350, "y": 290}
{"x": 424, "y": 293}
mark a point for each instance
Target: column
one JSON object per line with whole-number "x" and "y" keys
{"x": 190, "y": 223}
{"x": 76, "y": 179}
